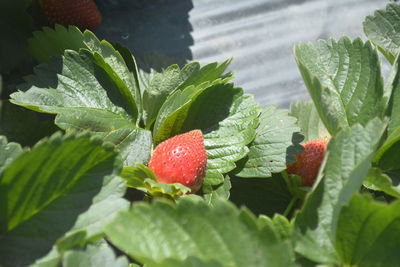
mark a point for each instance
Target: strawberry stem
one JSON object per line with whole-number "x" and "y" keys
{"x": 148, "y": 198}
{"x": 290, "y": 206}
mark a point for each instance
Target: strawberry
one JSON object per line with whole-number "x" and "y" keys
{"x": 81, "y": 13}
{"x": 181, "y": 159}
{"x": 308, "y": 162}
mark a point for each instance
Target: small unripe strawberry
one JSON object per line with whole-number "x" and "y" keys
{"x": 308, "y": 162}
{"x": 181, "y": 159}
{"x": 81, "y": 13}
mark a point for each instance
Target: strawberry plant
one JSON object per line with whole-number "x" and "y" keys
{"x": 183, "y": 168}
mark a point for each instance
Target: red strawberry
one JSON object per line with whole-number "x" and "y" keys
{"x": 309, "y": 161}
{"x": 181, "y": 159}
{"x": 81, "y": 13}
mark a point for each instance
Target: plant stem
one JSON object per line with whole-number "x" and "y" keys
{"x": 148, "y": 198}
{"x": 290, "y": 206}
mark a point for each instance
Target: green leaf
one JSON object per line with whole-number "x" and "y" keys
{"x": 275, "y": 144}
{"x": 295, "y": 185}
{"x": 8, "y": 152}
{"x": 110, "y": 60}
{"x": 65, "y": 183}
{"x": 206, "y": 73}
{"x": 311, "y": 126}
{"x": 213, "y": 178}
{"x": 73, "y": 81}
{"x": 368, "y": 233}
{"x": 134, "y": 77}
{"x": 392, "y": 93}
{"x": 387, "y": 155}
{"x": 161, "y": 85}
{"x": 225, "y": 115}
{"x": 153, "y": 233}
{"x": 135, "y": 176}
{"x": 84, "y": 97}
{"x": 105, "y": 205}
{"x": 261, "y": 196}
{"x": 174, "y": 111}
{"x": 144, "y": 79}
{"x": 51, "y": 42}
{"x": 24, "y": 126}
{"x": 189, "y": 262}
{"x": 95, "y": 77}
{"x": 281, "y": 225}
{"x": 144, "y": 179}
{"x": 221, "y": 191}
{"x": 344, "y": 81}
{"x": 71, "y": 240}
{"x": 93, "y": 119}
{"x": 134, "y": 144}
{"x": 346, "y": 164}
{"x": 116, "y": 60}
{"x": 172, "y": 78}
{"x": 383, "y": 29}
{"x": 52, "y": 259}
{"x": 228, "y": 119}
{"x": 386, "y": 182}
{"x": 94, "y": 256}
